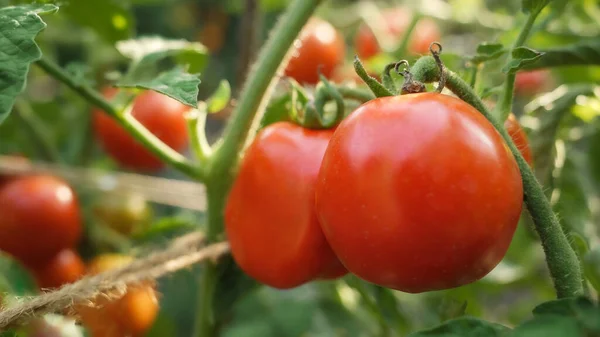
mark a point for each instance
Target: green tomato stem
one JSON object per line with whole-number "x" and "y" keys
{"x": 133, "y": 127}
{"x": 377, "y": 88}
{"x": 196, "y": 122}
{"x": 504, "y": 106}
{"x": 38, "y": 133}
{"x": 560, "y": 257}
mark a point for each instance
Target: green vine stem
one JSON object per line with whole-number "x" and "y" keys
{"x": 196, "y": 123}
{"x": 504, "y": 106}
{"x": 133, "y": 127}
{"x": 403, "y": 46}
{"x": 37, "y": 131}
{"x": 560, "y": 257}
{"x": 220, "y": 168}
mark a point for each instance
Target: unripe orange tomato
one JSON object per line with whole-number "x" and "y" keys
{"x": 126, "y": 213}
{"x": 519, "y": 137}
{"x": 318, "y": 48}
{"x": 396, "y": 21}
{"x": 131, "y": 315}
{"x": 161, "y": 115}
{"x": 65, "y": 267}
{"x": 39, "y": 217}
{"x": 418, "y": 192}
{"x": 270, "y": 218}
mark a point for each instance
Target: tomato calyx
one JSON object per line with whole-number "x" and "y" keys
{"x": 311, "y": 112}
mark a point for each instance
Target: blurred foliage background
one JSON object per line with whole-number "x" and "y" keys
{"x": 561, "y": 122}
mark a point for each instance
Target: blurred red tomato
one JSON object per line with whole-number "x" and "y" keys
{"x": 65, "y": 267}
{"x": 161, "y": 115}
{"x": 529, "y": 83}
{"x": 318, "y": 48}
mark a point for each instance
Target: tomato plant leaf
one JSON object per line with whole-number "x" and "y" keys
{"x": 534, "y": 6}
{"x": 583, "y": 53}
{"x": 591, "y": 268}
{"x": 150, "y": 53}
{"x": 580, "y": 310}
{"x": 562, "y": 307}
{"x": 108, "y": 18}
{"x": 464, "y": 327}
{"x": 521, "y": 57}
{"x": 488, "y": 51}
{"x": 220, "y": 98}
{"x": 549, "y": 326}
{"x": 175, "y": 83}
{"x": 14, "y": 278}
{"x": 19, "y": 26}
{"x": 277, "y": 110}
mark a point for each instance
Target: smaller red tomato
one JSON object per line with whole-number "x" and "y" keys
{"x": 519, "y": 137}
{"x": 39, "y": 217}
{"x": 65, "y": 267}
{"x": 270, "y": 215}
{"x": 396, "y": 21}
{"x": 529, "y": 83}
{"x": 318, "y": 48}
{"x": 161, "y": 115}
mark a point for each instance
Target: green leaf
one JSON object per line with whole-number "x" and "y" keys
{"x": 14, "y": 278}
{"x": 549, "y": 326}
{"x": 534, "y": 6}
{"x": 561, "y": 307}
{"x": 389, "y": 307}
{"x": 19, "y": 26}
{"x": 584, "y": 53}
{"x": 108, "y": 18}
{"x": 591, "y": 268}
{"x": 521, "y": 57}
{"x": 488, "y": 51}
{"x": 150, "y": 53}
{"x": 220, "y": 98}
{"x": 464, "y": 327}
{"x": 175, "y": 83}
{"x": 277, "y": 110}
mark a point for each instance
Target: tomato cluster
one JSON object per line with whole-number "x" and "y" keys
{"x": 416, "y": 192}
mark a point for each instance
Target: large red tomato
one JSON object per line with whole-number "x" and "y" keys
{"x": 39, "y": 217}
{"x": 529, "y": 83}
{"x": 270, "y": 217}
{"x": 160, "y": 114}
{"x": 395, "y": 23}
{"x": 318, "y": 48}
{"x": 65, "y": 267}
{"x": 418, "y": 193}
{"x": 519, "y": 137}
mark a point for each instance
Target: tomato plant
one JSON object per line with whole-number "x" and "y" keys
{"x": 395, "y": 23}
{"x": 319, "y": 49}
{"x": 161, "y": 115}
{"x": 130, "y": 315}
{"x": 39, "y": 216}
{"x": 519, "y": 136}
{"x": 65, "y": 267}
{"x": 270, "y": 218}
{"x": 428, "y": 183}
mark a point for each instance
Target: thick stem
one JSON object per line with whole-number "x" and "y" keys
{"x": 560, "y": 257}
{"x": 133, "y": 127}
{"x": 504, "y": 106}
{"x": 261, "y": 81}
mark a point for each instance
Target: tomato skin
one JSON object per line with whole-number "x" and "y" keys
{"x": 131, "y": 315}
{"x": 418, "y": 193}
{"x": 519, "y": 137}
{"x": 65, "y": 267}
{"x": 161, "y": 115}
{"x": 126, "y": 213}
{"x": 270, "y": 218}
{"x": 39, "y": 217}
{"x": 395, "y": 24}
{"x": 318, "y": 48}
{"x": 529, "y": 83}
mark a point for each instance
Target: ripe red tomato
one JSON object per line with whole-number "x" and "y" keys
{"x": 65, "y": 267}
{"x": 270, "y": 218}
{"x": 529, "y": 83}
{"x": 418, "y": 193}
{"x": 39, "y": 217}
{"x": 318, "y": 48}
{"x": 396, "y": 21}
{"x": 130, "y": 315}
{"x": 160, "y": 114}
{"x": 519, "y": 137}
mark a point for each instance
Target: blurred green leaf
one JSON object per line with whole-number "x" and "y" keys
{"x": 572, "y": 202}
{"x": 165, "y": 226}
{"x": 521, "y": 57}
{"x": 108, "y": 18}
{"x": 19, "y": 26}
{"x": 487, "y": 51}
{"x": 464, "y": 327}
{"x": 549, "y": 326}
{"x": 175, "y": 83}
{"x": 591, "y": 268}
{"x": 584, "y": 53}
{"x": 562, "y": 307}
{"x": 533, "y": 6}
{"x": 277, "y": 110}
{"x": 220, "y": 98}
{"x": 14, "y": 278}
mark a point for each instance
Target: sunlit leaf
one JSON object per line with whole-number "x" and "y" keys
{"x": 19, "y": 25}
